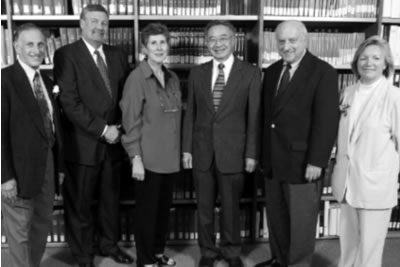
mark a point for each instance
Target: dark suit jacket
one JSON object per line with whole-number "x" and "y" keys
{"x": 24, "y": 144}
{"x": 300, "y": 125}
{"x": 232, "y": 132}
{"x": 86, "y": 103}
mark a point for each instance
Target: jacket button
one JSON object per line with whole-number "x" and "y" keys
{"x": 272, "y": 125}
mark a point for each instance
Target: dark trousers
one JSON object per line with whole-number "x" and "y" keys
{"x": 79, "y": 192}
{"x": 27, "y": 222}
{"x": 292, "y": 211}
{"x": 153, "y": 201}
{"x": 229, "y": 186}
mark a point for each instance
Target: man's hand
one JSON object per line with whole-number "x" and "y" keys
{"x": 250, "y": 165}
{"x": 9, "y": 190}
{"x": 312, "y": 172}
{"x": 137, "y": 168}
{"x": 112, "y": 134}
{"x": 187, "y": 160}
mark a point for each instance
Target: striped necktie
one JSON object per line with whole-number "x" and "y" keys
{"x": 101, "y": 65}
{"x": 219, "y": 87}
{"x": 44, "y": 108}
{"x": 284, "y": 80}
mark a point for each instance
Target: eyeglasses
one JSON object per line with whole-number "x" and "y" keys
{"x": 222, "y": 40}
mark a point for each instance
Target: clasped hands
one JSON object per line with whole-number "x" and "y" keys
{"x": 112, "y": 134}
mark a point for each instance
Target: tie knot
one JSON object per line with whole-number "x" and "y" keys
{"x": 221, "y": 66}
{"x": 36, "y": 77}
{"x": 96, "y": 52}
{"x": 288, "y": 66}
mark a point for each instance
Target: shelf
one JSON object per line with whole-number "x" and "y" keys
{"x": 338, "y": 67}
{"x": 321, "y": 19}
{"x": 4, "y": 17}
{"x": 199, "y": 18}
{"x": 63, "y": 18}
{"x": 391, "y": 20}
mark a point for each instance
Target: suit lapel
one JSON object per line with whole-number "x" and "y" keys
{"x": 296, "y": 82}
{"x": 233, "y": 80}
{"x": 112, "y": 71}
{"x": 206, "y": 84}
{"x": 87, "y": 62}
{"x": 24, "y": 91}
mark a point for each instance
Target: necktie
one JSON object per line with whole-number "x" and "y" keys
{"x": 219, "y": 87}
{"x": 43, "y": 106}
{"x": 284, "y": 80}
{"x": 101, "y": 65}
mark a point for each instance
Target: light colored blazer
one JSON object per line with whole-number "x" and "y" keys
{"x": 368, "y": 155}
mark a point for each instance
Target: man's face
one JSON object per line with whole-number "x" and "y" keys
{"x": 95, "y": 28}
{"x": 291, "y": 43}
{"x": 220, "y": 42}
{"x": 30, "y": 47}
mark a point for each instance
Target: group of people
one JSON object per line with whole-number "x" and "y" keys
{"x": 233, "y": 123}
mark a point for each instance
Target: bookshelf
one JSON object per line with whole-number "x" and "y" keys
{"x": 253, "y": 18}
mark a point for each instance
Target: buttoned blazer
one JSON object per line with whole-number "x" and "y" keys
{"x": 368, "y": 155}
{"x": 24, "y": 144}
{"x": 231, "y": 133}
{"x": 86, "y": 102}
{"x": 300, "y": 124}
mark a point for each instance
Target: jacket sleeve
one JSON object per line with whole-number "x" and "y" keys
{"x": 325, "y": 117}
{"x": 189, "y": 116}
{"x": 65, "y": 75}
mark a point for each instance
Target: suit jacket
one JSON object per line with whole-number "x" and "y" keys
{"x": 87, "y": 105}
{"x": 231, "y": 133}
{"x": 300, "y": 124}
{"x": 24, "y": 144}
{"x": 368, "y": 155}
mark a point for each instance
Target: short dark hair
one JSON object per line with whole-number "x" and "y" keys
{"x": 219, "y": 22}
{"x": 154, "y": 29}
{"x": 92, "y": 8}
{"x": 26, "y": 27}
{"x": 383, "y": 44}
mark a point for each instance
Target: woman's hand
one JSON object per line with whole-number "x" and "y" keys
{"x": 137, "y": 168}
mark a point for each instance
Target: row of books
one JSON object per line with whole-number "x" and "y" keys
{"x": 120, "y": 37}
{"x": 391, "y": 9}
{"x": 6, "y": 47}
{"x": 322, "y": 8}
{"x": 336, "y": 48}
{"x": 114, "y": 7}
{"x": 39, "y": 7}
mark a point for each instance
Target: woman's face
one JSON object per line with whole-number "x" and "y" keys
{"x": 371, "y": 64}
{"x": 156, "y": 48}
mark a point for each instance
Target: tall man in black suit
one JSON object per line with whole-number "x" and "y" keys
{"x": 300, "y": 117}
{"x": 31, "y": 149}
{"x": 220, "y": 139}
{"x": 91, "y": 76}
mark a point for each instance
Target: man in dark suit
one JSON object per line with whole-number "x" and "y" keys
{"x": 219, "y": 139}
{"x": 300, "y": 117}
{"x": 31, "y": 158}
{"x": 91, "y": 76}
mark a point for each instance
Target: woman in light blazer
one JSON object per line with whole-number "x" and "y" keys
{"x": 368, "y": 158}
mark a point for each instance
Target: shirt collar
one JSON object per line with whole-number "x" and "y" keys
{"x": 92, "y": 49}
{"x": 227, "y": 63}
{"x": 30, "y": 72}
{"x": 148, "y": 72}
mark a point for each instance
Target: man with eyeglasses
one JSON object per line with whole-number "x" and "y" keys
{"x": 220, "y": 136}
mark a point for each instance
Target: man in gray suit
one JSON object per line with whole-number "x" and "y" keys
{"x": 219, "y": 139}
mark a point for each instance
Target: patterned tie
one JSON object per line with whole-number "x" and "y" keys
{"x": 219, "y": 87}
{"x": 284, "y": 80}
{"x": 44, "y": 108}
{"x": 101, "y": 65}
